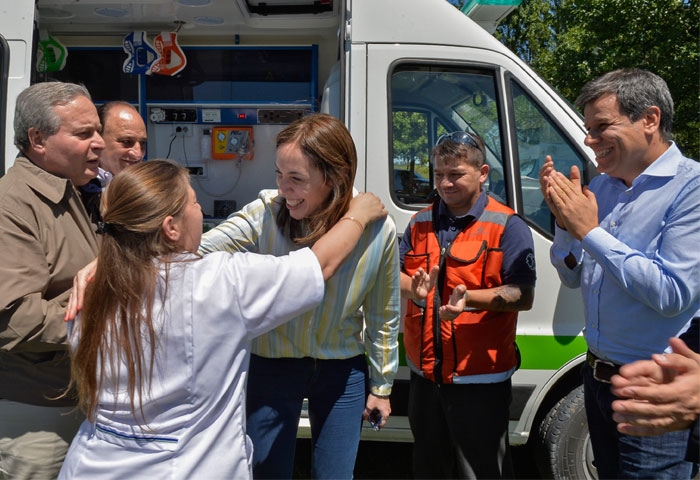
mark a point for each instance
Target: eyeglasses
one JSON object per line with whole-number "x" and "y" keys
{"x": 464, "y": 138}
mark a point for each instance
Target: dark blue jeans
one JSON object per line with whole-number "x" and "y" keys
{"x": 337, "y": 393}
{"x": 627, "y": 456}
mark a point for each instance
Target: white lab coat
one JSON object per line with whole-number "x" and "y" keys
{"x": 196, "y": 405}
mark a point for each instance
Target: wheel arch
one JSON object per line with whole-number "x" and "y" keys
{"x": 566, "y": 379}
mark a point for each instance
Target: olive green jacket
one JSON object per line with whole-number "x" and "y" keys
{"x": 45, "y": 238}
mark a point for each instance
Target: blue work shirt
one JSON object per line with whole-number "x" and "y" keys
{"x": 639, "y": 271}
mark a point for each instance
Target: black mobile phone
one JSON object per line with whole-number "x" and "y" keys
{"x": 375, "y": 419}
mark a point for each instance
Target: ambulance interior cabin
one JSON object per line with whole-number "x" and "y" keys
{"x": 214, "y": 81}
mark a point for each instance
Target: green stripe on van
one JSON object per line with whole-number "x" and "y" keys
{"x": 538, "y": 352}
{"x": 548, "y": 352}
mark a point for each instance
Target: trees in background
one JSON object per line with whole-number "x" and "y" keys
{"x": 569, "y": 42}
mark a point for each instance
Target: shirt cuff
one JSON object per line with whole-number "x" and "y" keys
{"x": 564, "y": 243}
{"x": 381, "y": 392}
{"x": 598, "y": 243}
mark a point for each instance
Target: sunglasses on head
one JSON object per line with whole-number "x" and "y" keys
{"x": 465, "y": 138}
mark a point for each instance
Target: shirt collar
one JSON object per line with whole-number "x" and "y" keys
{"x": 104, "y": 176}
{"x": 47, "y": 184}
{"x": 475, "y": 212}
{"x": 664, "y": 166}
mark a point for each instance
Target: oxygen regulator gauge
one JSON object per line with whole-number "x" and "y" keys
{"x": 232, "y": 143}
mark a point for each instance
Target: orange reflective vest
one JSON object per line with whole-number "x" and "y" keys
{"x": 477, "y": 342}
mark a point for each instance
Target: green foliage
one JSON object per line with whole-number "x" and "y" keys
{"x": 570, "y": 42}
{"x": 410, "y": 142}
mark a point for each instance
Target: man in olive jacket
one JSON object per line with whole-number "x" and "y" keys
{"x": 46, "y": 238}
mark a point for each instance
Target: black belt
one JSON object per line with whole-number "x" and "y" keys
{"x": 603, "y": 370}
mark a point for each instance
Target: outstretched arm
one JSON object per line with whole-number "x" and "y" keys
{"x": 77, "y": 295}
{"x": 334, "y": 247}
{"x": 330, "y": 250}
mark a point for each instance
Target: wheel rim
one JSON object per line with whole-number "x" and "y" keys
{"x": 588, "y": 459}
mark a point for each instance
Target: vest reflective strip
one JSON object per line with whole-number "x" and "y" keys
{"x": 484, "y": 378}
{"x": 499, "y": 218}
{"x": 425, "y": 215}
{"x": 469, "y": 379}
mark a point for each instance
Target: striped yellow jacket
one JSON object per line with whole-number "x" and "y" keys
{"x": 361, "y": 307}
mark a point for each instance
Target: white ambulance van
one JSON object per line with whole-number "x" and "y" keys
{"x": 216, "y": 80}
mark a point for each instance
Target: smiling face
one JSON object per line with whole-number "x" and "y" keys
{"x": 301, "y": 184}
{"x": 458, "y": 183}
{"x": 73, "y": 151}
{"x": 124, "y": 134}
{"x": 621, "y": 146}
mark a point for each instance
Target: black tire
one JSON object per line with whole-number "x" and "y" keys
{"x": 564, "y": 445}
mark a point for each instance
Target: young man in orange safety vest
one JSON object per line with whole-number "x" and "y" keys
{"x": 468, "y": 268}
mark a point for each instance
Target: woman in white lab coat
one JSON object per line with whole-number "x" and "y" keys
{"x": 160, "y": 349}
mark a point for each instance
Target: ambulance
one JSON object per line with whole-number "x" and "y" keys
{"x": 216, "y": 80}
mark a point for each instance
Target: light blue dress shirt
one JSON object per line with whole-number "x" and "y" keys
{"x": 639, "y": 271}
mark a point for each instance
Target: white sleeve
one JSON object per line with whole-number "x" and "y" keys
{"x": 271, "y": 290}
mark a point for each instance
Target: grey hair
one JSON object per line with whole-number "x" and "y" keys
{"x": 35, "y": 108}
{"x": 636, "y": 91}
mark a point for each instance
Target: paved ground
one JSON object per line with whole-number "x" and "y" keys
{"x": 377, "y": 460}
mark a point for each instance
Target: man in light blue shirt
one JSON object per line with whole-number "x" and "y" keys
{"x": 631, "y": 242}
